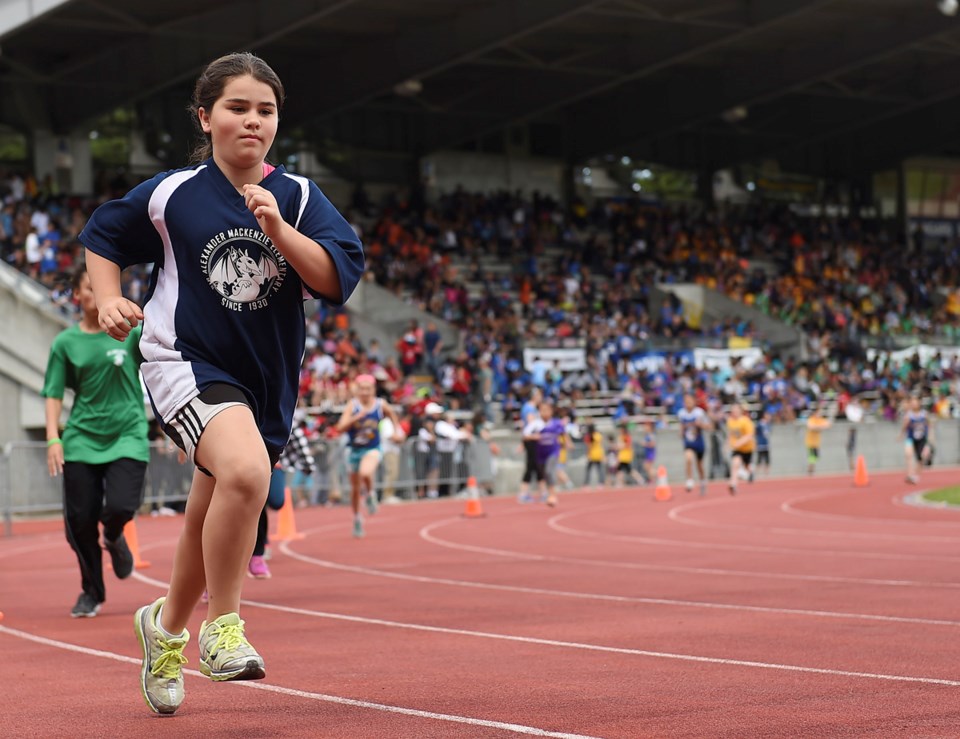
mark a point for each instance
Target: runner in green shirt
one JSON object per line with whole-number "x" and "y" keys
{"x": 103, "y": 453}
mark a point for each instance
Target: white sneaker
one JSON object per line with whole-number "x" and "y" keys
{"x": 161, "y": 675}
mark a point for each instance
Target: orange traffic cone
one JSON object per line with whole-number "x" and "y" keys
{"x": 286, "y": 524}
{"x": 133, "y": 541}
{"x": 662, "y": 491}
{"x": 474, "y": 509}
{"x": 860, "y": 477}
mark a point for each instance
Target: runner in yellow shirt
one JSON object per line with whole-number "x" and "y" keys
{"x": 742, "y": 439}
{"x": 816, "y": 425}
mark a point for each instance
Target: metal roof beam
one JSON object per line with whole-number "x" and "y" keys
{"x": 373, "y": 68}
{"x": 630, "y": 119}
{"x": 670, "y": 45}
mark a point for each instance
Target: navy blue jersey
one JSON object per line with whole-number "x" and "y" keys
{"x": 224, "y": 305}
{"x": 365, "y": 430}
{"x": 917, "y": 426}
{"x": 762, "y": 434}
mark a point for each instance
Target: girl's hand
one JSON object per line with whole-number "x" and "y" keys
{"x": 55, "y": 459}
{"x": 263, "y": 205}
{"x": 118, "y": 316}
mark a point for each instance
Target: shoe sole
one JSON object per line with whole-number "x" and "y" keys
{"x": 259, "y": 577}
{"x": 138, "y": 628}
{"x": 253, "y": 670}
{"x": 88, "y": 614}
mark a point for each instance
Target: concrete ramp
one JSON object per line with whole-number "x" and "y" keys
{"x": 28, "y": 324}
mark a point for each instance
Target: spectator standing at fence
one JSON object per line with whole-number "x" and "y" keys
{"x": 238, "y": 245}
{"x": 763, "y": 431}
{"x": 361, "y": 420}
{"x": 104, "y": 451}
{"x": 392, "y": 436}
{"x": 816, "y": 425}
{"x": 649, "y": 451}
{"x": 595, "y": 455}
{"x": 427, "y": 461}
{"x": 450, "y": 438}
{"x": 625, "y": 454}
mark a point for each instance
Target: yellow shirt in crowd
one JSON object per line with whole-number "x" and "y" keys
{"x": 815, "y": 427}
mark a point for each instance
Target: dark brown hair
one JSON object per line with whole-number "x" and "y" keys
{"x": 214, "y": 79}
{"x": 77, "y": 275}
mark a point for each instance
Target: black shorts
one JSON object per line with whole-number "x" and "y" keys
{"x": 747, "y": 457}
{"x": 190, "y": 421}
{"x": 918, "y": 447}
{"x": 763, "y": 456}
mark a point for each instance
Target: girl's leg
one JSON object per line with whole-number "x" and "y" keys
{"x": 368, "y": 470}
{"x": 233, "y": 450}
{"x": 355, "y": 493}
{"x": 188, "y": 579}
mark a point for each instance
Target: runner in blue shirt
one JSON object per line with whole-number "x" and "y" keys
{"x": 237, "y": 246}
{"x": 693, "y": 421}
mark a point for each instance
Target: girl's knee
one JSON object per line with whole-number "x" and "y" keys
{"x": 248, "y": 479}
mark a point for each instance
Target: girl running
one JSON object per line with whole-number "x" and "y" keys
{"x": 918, "y": 432}
{"x": 361, "y": 419}
{"x": 237, "y": 245}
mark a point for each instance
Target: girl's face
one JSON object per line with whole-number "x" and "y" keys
{"x": 365, "y": 391}
{"x": 242, "y": 123}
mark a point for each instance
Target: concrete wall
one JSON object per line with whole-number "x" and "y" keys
{"x": 28, "y": 325}
{"x": 377, "y": 313}
{"x": 877, "y": 441}
{"x": 446, "y": 170}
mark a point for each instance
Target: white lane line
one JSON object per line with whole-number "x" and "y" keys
{"x": 32, "y": 548}
{"x": 676, "y": 515}
{"x": 554, "y": 524}
{"x": 581, "y": 646}
{"x": 427, "y": 535}
{"x": 514, "y": 728}
{"x": 609, "y": 598}
{"x": 789, "y": 508}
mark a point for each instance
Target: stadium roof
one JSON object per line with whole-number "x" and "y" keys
{"x": 837, "y": 87}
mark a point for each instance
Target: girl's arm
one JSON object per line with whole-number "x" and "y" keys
{"x": 117, "y": 314}
{"x": 311, "y": 261}
{"x": 346, "y": 418}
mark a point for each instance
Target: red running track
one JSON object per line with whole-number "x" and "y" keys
{"x": 801, "y": 607}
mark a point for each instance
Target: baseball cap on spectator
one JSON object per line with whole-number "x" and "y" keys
{"x": 433, "y": 409}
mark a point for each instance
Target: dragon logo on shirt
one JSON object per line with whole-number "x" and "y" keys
{"x": 244, "y": 268}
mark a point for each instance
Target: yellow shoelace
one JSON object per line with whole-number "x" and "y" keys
{"x": 168, "y": 664}
{"x": 229, "y": 637}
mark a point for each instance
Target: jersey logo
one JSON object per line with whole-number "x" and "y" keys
{"x": 244, "y": 268}
{"x": 117, "y": 355}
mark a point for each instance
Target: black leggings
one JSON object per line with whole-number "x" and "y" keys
{"x": 107, "y": 493}
{"x": 261, "y": 545}
{"x": 532, "y": 472}
{"x": 601, "y": 474}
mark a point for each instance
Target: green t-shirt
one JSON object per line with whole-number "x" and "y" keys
{"x": 107, "y": 421}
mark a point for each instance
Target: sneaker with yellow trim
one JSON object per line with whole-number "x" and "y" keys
{"x": 161, "y": 676}
{"x": 225, "y": 653}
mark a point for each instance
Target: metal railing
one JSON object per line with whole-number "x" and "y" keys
{"x": 26, "y": 487}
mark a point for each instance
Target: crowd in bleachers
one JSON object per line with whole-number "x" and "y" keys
{"x": 583, "y": 275}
